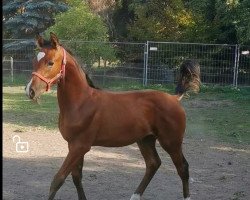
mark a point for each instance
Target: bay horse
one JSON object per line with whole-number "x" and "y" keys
{"x": 94, "y": 117}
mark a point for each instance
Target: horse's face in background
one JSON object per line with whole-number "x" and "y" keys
{"x": 46, "y": 67}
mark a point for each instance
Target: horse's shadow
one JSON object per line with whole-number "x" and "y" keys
{"x": 114, "y": 176}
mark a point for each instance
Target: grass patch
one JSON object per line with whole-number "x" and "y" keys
{"x": 219, "y": 112}
{"x": 17, "y": 109}
{"x": 222, "y": 113}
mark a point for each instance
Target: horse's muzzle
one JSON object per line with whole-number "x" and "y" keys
{"x": 31, "y": 93}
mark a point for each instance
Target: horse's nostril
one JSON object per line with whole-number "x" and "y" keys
{"x": 32, "y": 93}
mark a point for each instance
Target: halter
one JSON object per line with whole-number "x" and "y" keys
{"x": 60, "y": 75}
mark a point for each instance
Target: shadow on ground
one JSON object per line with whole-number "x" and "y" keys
{"x": 216, "y": 173}
{"x": 29, "y": 179}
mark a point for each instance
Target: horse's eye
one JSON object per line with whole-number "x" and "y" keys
{"x": 50, "y": 63}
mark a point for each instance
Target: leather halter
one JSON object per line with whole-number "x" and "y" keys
{"x": 60, "y": 75}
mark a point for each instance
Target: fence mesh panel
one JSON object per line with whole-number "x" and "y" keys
{"x": 243, "y": 67}
{"x": 117, "y": 63}
{"x": 217, "y": 61}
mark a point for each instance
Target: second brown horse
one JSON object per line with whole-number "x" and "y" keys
{"x": 92, "y": 117}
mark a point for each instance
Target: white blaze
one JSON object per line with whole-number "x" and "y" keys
{"x": 28, "y": 88}
{"x": 135, "y": 197}
{"x": 40, "y": 55}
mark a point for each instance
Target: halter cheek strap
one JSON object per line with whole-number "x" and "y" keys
{"x": 60, "y": 75}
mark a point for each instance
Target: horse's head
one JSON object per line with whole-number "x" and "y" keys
{"x": 48, "y": 66}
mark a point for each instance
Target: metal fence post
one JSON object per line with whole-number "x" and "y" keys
{"x": 104, "y": 77}
{"x": 236, "y": 65}
{"x": 145, "y": 68}
{"x": 12, "y": 69}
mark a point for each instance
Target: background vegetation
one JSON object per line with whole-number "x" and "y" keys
{"x": 208, "y": 21}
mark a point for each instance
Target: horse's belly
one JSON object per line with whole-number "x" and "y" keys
{"x": 123, "y": 135}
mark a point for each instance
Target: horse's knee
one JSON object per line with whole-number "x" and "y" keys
{"x": 157, "y": 163}
{"x": 77, "y": 171}
{"x": 181, "y": 165}
{"x": 153, "y": 165}
{"x": 77, "y": 174}
{"x": 77, "y": 179}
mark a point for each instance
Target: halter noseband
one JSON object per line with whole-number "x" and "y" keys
{"x": 61, "y": 74}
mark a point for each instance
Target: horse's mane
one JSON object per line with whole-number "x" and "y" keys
{"x": 89, "y": 81}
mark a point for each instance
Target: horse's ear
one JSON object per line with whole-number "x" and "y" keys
{"x": 54, "y": 40}
{"x": 39, "y": 41}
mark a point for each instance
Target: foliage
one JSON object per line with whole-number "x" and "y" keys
{"x": 24, "y": 18}
{"x": 242, "y": 22}
{"x": 122, "y": 16}
{"x": 206, "y": 21}
{"x": 79, "y": 24}
{"x": 225, "y": 22}
{"x": 159, "y": 20}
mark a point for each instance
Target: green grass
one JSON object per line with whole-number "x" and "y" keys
{"x": 17, "y": 109}
{"x": 222, "y": 113}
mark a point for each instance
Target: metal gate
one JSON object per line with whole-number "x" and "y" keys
{"x": 220, "y": 64}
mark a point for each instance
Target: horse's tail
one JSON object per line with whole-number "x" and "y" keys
{"x": 189, "y": 79}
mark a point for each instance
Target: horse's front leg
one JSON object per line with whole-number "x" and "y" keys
{"x": 77, "y": 179}
{"x": 76, "y": 152}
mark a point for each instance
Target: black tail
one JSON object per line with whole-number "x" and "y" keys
{"x": 189, "y": 79}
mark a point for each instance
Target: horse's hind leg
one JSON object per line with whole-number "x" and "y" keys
{"x": 181, "y": 164}
{"x": 153, "y": 162}
{"x": 77, "y": 179}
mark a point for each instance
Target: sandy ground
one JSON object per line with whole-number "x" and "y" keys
{"x": 218, "y": 171}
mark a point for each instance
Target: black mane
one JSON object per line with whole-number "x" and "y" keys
{"x": 89, "y": 81}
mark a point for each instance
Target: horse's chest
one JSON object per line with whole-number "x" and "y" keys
{"x": 72, "y": 127}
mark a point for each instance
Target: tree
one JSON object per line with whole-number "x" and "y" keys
{"x": 159, "y": 20}
{"x": 105, "y": 9}
{"x": 220, "y": 21}
{"x": 78, "y": 25}
{"x": 242, "y": 22}
{"x": 25, "y": 18}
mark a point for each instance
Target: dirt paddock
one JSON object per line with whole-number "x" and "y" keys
{"x": 218, "y": 171}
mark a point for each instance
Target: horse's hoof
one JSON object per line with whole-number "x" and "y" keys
{"x": 135, "y": 197}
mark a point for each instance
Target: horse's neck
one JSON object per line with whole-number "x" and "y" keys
{"x": 73, "y": 89}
